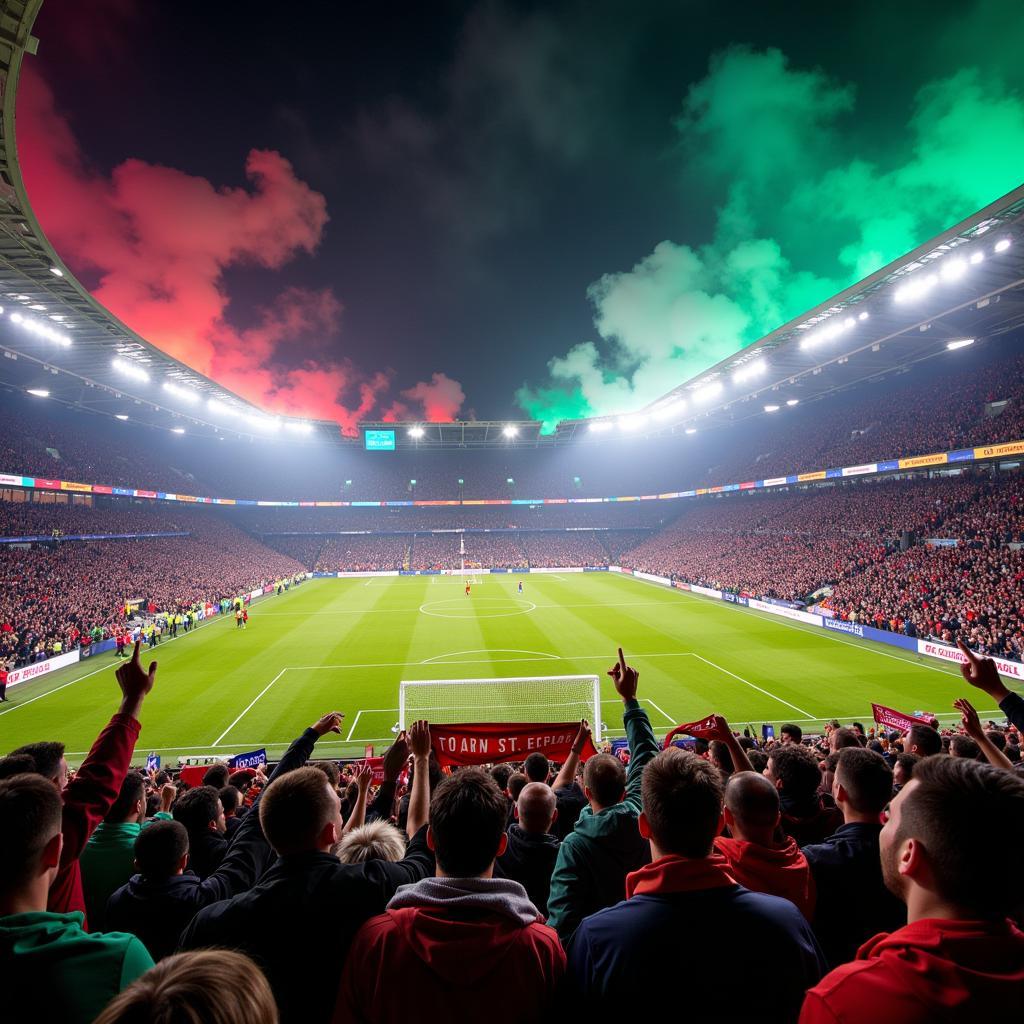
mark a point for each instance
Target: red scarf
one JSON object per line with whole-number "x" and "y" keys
{"x": 679, "y": 874}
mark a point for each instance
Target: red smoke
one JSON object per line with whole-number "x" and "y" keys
{"x": 155, "y": 242}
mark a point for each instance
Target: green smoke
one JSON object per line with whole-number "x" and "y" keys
{"x": 805, "y": 206}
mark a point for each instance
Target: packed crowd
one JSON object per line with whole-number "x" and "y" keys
{"x": 381, "y": 553}
{"x": 57, "y": 519}
{"x": 973, "y": 400}
{"x": 50, "y": 596}
{"x": 858, "y": 877}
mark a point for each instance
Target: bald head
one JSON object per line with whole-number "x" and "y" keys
{"x": 536, "y": 807}
{"x": 752, "y": 807}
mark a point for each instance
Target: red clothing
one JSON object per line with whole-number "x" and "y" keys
{"x": 438, "y": 964}
{"x": 87, "y": 798}
{"x": 931, "y": 970}
{"x": 784, "y": 872}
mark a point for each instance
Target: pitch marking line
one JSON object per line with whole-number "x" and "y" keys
{"x": 249, "y": 706}
{"x": 753, "y": 686}
{"x": 497, "y": 650}
{"x": 355, "y": 722}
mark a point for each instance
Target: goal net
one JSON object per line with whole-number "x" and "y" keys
{"x": 515, "y": 699}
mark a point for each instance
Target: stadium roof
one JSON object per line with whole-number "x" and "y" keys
{"x": 967, "y": 283}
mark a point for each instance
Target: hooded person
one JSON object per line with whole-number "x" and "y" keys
{"x": 757, "y": 858}
{"x": 532, "y": 848}
{"x": 951, "y": 852}
{"x": 460, "y": 939}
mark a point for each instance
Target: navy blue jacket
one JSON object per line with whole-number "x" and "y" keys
{"x": 734, "y": 953}
{"x": 853, "y": 903}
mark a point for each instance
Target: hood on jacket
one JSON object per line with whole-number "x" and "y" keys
{"x": 961, "y": 958}
{"x": 143, "y": 888}
{"x": 616, "y": 827}
{"x": 459, "y": 927}
{"x": 119, "y": 835}
{"x": 781, "y": 872}
{"x": 524, "y": 844}
{"x": 37, "y": 933}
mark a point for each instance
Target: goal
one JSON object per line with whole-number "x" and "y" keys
{"x": 506, "y": 699}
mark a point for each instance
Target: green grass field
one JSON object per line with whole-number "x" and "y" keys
{"x": 345, "y": 644}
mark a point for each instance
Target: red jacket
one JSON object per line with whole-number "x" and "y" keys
{"x": 784, "y": 872}
{"x": 87, "y": 798}
{"x": 441, "y": 964}
{"x": 932, "y": 970}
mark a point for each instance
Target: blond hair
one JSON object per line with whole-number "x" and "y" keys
{"x": 379, "y": 840}
{"x": 208, "y": 986}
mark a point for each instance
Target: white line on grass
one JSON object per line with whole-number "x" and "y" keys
{"x": 497, "y": 650}
{"x": 244, "y": 713}
{"x": 355, "y": 722}
{"x": 753, "y": 686}
{"x": 667, "y": 717}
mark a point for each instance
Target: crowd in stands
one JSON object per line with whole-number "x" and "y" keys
{"x": 52, "y": 595}
{"x": 381, "y": 553}
{"x": 975, "y": 399}
{"x": 57, "y": 519}
{"x": 850, "y": 877}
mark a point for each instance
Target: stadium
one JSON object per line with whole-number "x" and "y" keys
{"x": 817, "y": 538}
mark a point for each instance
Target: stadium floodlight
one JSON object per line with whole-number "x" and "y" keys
{"x": 39, "y": 392}
{"x": 264, "y": 423}
{"x": 771, "y": 408}
{"x": 510, "y": 430}
{"x": 917, "y": 288}
{"x": 691, "y": 430}
{"x": 416, "y": 432}
{"x": 129, "y": 369}
{"x": 601, "y": 426}
{"x": 177, "y": 430}
{"x": 509, "y": 480}
{"x": 670, "y": 411}
{"x": 120, "y": 416}
{"x": 41, "y": 330}
{"x": 56, "y": 271}
{"x": 1002, "y": 245}
{"x": 298, "y": 427}
{"x": 507, "y": 699}
{"x": 750, "y": 371}
{"x": 977, "y": 256}
{"x": 38, "y": 307}
{"x": 634, "y": 422}
{"x": 953, "y": 269}
{"x": 219, "y": 408}
{"x": 959, "y": 343}
{"x": 709, "y": 391}
{"x": 864, "y": 315}
{"x": 185, "y": 394}
{"x": 792, "y": 401}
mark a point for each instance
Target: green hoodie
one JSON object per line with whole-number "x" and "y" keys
{"x": 55, "y": 970}
{"x": 107, "y": 862}
{"x": 594, "y": 859}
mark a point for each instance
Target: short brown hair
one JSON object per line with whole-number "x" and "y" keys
{"x": 866, "y": 778}
{"x": 964, "y": 814}
{"x": 796, "y": 768}
{"x": 216, "y": 986}
{"x": 467, "y": 820}
{"x": 30, "y": 813}
{"x": 682, "y": 796}
{"x": 605, "y": 777}
{"x": 295, "y": 809}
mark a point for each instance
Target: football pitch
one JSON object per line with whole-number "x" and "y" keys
{"x": 344, "y": 644}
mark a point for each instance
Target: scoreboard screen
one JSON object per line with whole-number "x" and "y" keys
{"x": 379, "y": 440}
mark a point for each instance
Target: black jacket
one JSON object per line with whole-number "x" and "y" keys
{"x": 569, "y": 800}
{"x": 298, "y": 922}
{"x": 159, "y": 910}
{"x": 529, "y": 860}
{"x": 206, "y": 850}
{"x": 853, "y": 903}
{"x": 1013, "y": 707}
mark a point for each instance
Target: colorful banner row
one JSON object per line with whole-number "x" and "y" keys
{"x": 997, "y": 451}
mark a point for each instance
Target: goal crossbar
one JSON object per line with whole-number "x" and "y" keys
{"x": 502, "y": 699}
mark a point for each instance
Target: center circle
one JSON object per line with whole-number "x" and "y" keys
{"x": 456, "y": 603}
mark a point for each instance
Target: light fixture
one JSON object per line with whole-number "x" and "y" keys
{"x": 120, "y": 416}
{"x": 177, "y": 430}
{"x": 40, "y": 329}
{"x": 915, "y": 289}
{"x": 39, "y": 392}
{"x": 129, "y": 369}
{"x": 691, "y": 430}
{"x": 792, "y": 401}
{"x": 298, "y": 427}
{"x": 632, "y": 422}
{"x": 509, "y": 430}
{"x": 1002, "y": 245}
{"x": 959, "y": 343}
{"x": 863, "y": 315}
{"x": 953, "y": 269}
{"x": 509, "y": 480}
{"x": 751, "y": 370}
{"x": 771, "y": 408}
{"x": 56, "y": 271}
{"x": 601, "y": 426}
{"x": 185, "y": 394}
{"x": 416, "y": 432}
{"x": 709, "y": 391}
{"x": 38, "y": 307}
{"x": 667, "y": 412}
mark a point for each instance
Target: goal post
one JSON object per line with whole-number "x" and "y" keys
{"x": 501, "y": 699}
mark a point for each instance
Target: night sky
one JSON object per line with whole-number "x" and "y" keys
{"x": 490, "y": 210}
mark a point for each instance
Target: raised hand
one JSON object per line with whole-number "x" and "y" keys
{"x": 331, "y": 722}
{"x": 982, "y": 673}
{"x": 364, "y": 776}
{"x": 969, "y": 718}
{"x": 419, "y": 739}
{"x": 721, "y": 730}
{"x": 583, "y": 734}
{"x": 135, "y": 682}
{"x": 395, "y": 757}
{"x": 625, "y": 678}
